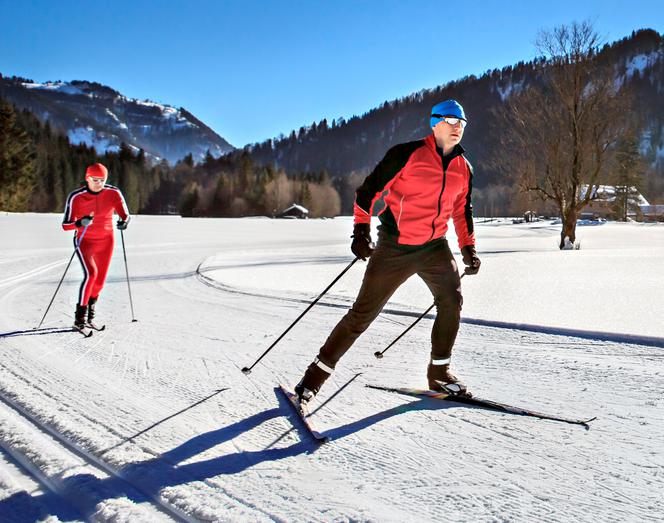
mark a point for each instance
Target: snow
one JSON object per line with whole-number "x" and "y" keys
{"x": 62, "y": 87}
{"x": 525, "y": 279}
{"x": 506, "y": 91}
{"x": 120, "y": 124}
{"x": 89, "y": 136}
{"x": 162, "y": 401}
{"x": 168, "y": 113}
{"x": 640, "y": 62}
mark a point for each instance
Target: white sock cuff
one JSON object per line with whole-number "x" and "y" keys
{"x": 446, "y": 361}
{"x": 322, "y": 366}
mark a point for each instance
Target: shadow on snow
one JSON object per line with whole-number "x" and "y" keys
{"x": 167, "y": 469}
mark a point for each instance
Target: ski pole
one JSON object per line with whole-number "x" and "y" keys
{"x": 379, "y": 354}
{"x": 63, "y": 275}
{"x": 124, "y": 254}
{"x": 247, "y": 370}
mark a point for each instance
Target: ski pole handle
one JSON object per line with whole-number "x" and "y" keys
{"x": 85, "y": 229}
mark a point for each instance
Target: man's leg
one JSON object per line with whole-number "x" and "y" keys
{"x": 439, "y": 271}
{"x": 102, "y": 258}
{"x": 102, "y": 255}
{"x": 387, "y": 269}
{"x": 84, "y": 252}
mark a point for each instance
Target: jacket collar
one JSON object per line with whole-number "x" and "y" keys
{"x": 430, "y": 141}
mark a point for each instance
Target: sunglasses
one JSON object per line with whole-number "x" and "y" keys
{"x": 451, "y": 120}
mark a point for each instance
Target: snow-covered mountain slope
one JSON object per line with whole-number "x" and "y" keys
{"x": 162, "y": 402}
{"x": 638, "y": 62}
{"x": 99, "y": 116}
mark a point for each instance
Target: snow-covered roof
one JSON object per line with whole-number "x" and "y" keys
{"x": 607, "y": 193}
{"x": 295, "y": 206}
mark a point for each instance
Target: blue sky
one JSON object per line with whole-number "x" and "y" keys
{"x": 254, "y": 69}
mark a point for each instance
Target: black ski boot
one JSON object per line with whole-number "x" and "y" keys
{"x": 313, "y": 380}
{"x": 442, "y": 380}
{"x": 91, "y": 315}
{"x": 79, "y": 318}
{"x": 91, "y": 309}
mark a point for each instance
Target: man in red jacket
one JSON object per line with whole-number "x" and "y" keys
{"x": 89, "y": 211}
{"x": 428, "y": 182}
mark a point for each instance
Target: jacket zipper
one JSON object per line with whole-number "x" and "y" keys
{"x": 440, "y": 196}
{"x": 400, "y": 211}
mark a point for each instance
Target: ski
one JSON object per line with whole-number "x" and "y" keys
{"x": 85, "y": 331}
{"x": 93, "y": 326}
{"x": 303, "y": 412}
{"x": 480, "y": 402}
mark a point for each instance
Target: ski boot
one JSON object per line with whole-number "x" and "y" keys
{"x": 91, "y": 309}
{"x": 313, "y": 380}
{"x": 79, "y": 318}
{"x": 91, "y": 315}
{"x": 442, "y": 380}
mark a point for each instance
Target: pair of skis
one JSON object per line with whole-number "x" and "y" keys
{"x": 304, "y": 415}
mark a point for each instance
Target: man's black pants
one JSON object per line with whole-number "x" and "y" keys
{"x": 390, "y": 266}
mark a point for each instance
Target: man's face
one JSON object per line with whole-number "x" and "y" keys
{"x": 96, "y": 184}
{"x": 447, "y": 133}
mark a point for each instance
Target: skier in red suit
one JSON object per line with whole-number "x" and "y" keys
{"x": 90, "y": 208}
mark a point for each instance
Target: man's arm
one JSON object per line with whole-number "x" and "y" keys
{"x": 465, "y": 229}
{"x": 69, "y": 218}
{"x": 462, "y": 214}
{"x": 121, "y": 206}
{"x": 380, "y": 179}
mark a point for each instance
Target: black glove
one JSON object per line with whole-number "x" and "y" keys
{"x": 122, "y": 224}
{"x": 84, "y": 221}
{"x": 362, "y": 245}
{"x": 470, "y": 259}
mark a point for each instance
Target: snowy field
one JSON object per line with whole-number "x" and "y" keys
{"x": 153, "y": 420}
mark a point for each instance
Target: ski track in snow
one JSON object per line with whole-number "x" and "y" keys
{"x": 143, "y": 398}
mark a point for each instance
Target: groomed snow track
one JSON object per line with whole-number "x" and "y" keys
{"x": 83, "y": 499}
{"x": 649, "y": 341}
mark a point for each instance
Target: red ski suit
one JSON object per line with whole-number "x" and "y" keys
{"x": 96, "y": 248}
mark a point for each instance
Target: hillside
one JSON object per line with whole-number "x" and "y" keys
{"x": 99, "y": 116}
{"x": 343, "y": 147}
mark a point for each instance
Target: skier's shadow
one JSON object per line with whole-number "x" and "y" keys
{"x": 361, "y": 424}
{"x": 170, "y": 468}
{"x": 35, "y": 332}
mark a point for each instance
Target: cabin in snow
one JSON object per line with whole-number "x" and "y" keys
{"x": 294, "y": 211}
{"x": 613, "y": 202}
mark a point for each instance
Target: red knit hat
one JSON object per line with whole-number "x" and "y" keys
{"x": 96, "y": 170}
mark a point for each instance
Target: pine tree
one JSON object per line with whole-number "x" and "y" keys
{"x": 190, "y": 202}
{"x": 17, "y": 162}
{"x": 628, "y": 176}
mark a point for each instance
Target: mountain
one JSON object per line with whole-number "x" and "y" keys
{"x": 343, "y": 147}
{"x": 94, "y": 114}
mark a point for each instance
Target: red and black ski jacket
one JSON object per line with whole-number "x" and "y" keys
{"x": 422, "y": 193}
{"x": 102, "y": 204}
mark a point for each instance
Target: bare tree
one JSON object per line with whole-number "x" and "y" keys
{"x": 559, "y": 130}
